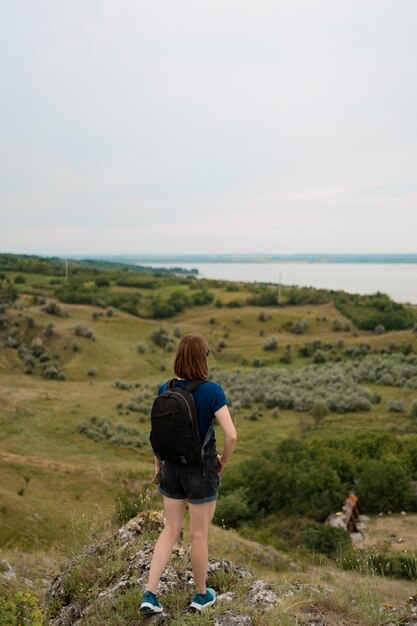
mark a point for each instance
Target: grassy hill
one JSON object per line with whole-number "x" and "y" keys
{"x": 74, "y": 440}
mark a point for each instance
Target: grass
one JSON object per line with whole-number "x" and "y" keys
{"x": 59, "y": 489}
{"x": 39, "y": 418}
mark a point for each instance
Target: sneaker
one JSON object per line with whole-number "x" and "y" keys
{"x": 200, "y": 600}
{"x": 150, "y": 604}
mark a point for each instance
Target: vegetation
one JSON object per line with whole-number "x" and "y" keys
{"x": 324, "y": 403}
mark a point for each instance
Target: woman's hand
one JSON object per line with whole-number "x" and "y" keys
{"x": 220, "y": 464}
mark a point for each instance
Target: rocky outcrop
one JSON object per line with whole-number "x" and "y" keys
{"x": 104, "y": 573}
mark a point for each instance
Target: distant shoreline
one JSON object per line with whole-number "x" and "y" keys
{"x": 259, "y": 258}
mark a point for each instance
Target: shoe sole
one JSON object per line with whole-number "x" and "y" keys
{"x": 149, "y": 608}
{"x": 200, "y": 607}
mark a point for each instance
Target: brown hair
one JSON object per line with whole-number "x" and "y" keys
{"x": 191, "y": 358}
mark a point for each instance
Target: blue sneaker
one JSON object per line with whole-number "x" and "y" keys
{"x": 150, "y": 604}
{"x": 200, "y": 600}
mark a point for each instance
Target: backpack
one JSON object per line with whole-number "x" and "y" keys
{"x": 174, "y": 425}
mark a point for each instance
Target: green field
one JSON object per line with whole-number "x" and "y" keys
{"x": 59, "y": 486}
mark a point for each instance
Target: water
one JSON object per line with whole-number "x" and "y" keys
{"x": 398, "y": 280}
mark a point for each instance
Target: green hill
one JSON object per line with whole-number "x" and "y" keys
{"x": 80, "y": 361}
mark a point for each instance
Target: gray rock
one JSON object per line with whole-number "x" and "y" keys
{"x": 226, "y": 597}
{"x": 7, "y": 571}
{"x": 232, "y": 619}
{"x": 262, "y": 593}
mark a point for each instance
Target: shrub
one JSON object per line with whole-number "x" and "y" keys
{"x": 232, "y": 509}
{"x": 92, "y": 371}
{"x": 413, "y": 410}
{"x": 298, "y": 328}
{"x": 319, "y": 410}
{"x": 48, "y": 330}
{"x": 83, "y": 331}
{"x": 51, "y": 372}
{"x": 262, "y": 317}
{"x": 270, "y": 344}
{"x": 121, "y": 384}
{"x": 75, "y": 346}
{"x": 326, "y": 539}
{"x": 20, "y": 608}
{"x": 257, "y": 362}
{"x": 384, "y": 485}
{"x": 336, "y": 325}
{"x": 160, "y": 337}
{"x": 52, "y": 308}
{"x": 396, "y": 406}
{"x": 379, "y": 329}
{"x": 141, "y": 347}
{"x": 319, "y": 357}
{"x": 19, "y": 279}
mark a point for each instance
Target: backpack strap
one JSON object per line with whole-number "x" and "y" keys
{"x": 190, "y": 388}
{"x": 207, "y": 437}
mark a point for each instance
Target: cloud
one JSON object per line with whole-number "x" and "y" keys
{"x": 233, "y": 121}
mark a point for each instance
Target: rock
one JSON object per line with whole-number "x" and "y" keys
{"x": 6, "y": 570}
{"x": 227, "y": 597}
{"x": 262, "y": 593}
{"x": 69, "y": 605}
{"x": 232, "y": 619}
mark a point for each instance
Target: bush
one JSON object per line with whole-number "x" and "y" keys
{"x": 19, "y": 279}
{"x": 319, "y": 410}
{"x": 319, "y": 357}
{"x": 20, "y": 608}
{"x": 396, "y": 406}
{"x": 160, "y": 337}
{"x": 141, "y": 347}
{"x": 326, "y": 539}
{"x": 52, "y": 308}
{"x": 380, "y": 329}
{"x": 232, "y": 509}
{"x": 384, "y": 485}
{"x": 75, "y": 346}
{"x": 270, "y": 344}
{"x": 82, "y": 331}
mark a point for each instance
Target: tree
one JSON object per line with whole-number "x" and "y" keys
{"x": 384, "y": 485}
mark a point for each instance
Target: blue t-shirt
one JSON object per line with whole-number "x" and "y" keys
{"x": 209, "y": 397}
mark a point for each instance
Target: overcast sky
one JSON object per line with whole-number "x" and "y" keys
{"x": 279, "y": 126}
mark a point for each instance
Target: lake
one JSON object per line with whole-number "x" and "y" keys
{"x": 398, "y": 280}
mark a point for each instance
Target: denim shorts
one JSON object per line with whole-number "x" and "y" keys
{"x": 196, "y": 483}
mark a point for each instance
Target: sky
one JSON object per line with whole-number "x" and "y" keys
{"x": 183, "y": 126}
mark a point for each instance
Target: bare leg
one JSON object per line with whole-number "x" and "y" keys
{"x": 174, "y": 513}
{"x": 200, "y": 518}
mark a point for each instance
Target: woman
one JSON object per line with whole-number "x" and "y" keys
{"x": 196, "y": 485}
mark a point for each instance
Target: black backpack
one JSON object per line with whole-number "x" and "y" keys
{"x": 175, "y": 436}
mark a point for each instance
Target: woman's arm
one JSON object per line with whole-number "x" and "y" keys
{"x": 230, "y": 436}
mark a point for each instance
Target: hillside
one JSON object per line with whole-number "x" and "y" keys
{"x": 77, "y": 380}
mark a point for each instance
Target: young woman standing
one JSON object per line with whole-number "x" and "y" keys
{"x": 196, "y": 485}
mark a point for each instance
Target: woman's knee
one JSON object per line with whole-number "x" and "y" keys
{"x": 198, "y": 533}
{"x": 173, "y": 531}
